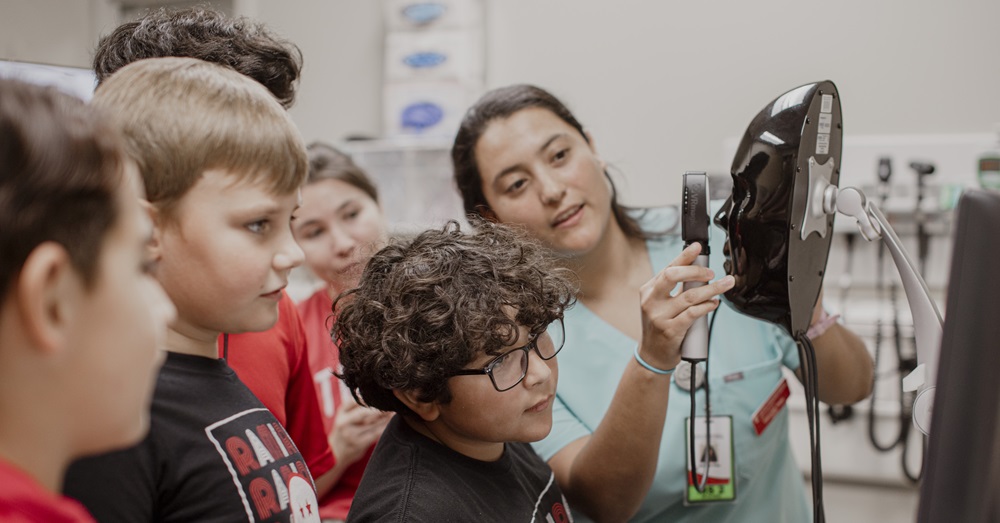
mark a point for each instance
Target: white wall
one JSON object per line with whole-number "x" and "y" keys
{"x": 56, "y": 32}
{"x": 660, "y": 84}
{"x": 663, "y": 84}
{"x": 342, "y": 42}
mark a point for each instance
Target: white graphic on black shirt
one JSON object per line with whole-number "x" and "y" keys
{"x": 267, "y": 469}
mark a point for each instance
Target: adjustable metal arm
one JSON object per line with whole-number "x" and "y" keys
{"x": 927, "y": 323}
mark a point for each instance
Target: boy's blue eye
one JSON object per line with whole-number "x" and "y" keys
{"x": 258, "y": 227}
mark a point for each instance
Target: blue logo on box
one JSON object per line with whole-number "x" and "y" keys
{"x": 424, "y": 13}
{"x": 425, "y": 60}
{"x": 420, "y": 116}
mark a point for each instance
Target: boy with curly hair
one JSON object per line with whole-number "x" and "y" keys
{"x": 458, "y": 334}
{"x": 240, "y": 43}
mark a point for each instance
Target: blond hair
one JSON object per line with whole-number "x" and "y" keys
{"x": 182, "y": 117}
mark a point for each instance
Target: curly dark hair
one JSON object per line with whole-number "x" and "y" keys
{"x": 427, "y": 307}
{"x": 206, "y": 34}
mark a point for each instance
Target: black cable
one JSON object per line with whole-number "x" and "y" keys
{"x": 694, "y": 411}
{"x": 225, "y": 347}
{"x": 905, "y": 366}
{"x": 700, "y": 486}
{"x": 879, "y": 281}
{"x": 810, "y": 378}
{"x": 884, "y": 173}
{"x": 708, "y": 407}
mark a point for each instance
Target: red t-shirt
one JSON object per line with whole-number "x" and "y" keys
{"x": 274, "y": 365}
{"x": 23, "y": 500}
{"x": 323, "y": 358}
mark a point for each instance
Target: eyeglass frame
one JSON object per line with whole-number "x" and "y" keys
{"x": 532, "y": 344}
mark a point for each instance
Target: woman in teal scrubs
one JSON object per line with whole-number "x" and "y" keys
{"x": 618, "y": 451}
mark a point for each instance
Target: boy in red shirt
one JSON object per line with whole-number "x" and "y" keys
{"x": 81, "y": 317}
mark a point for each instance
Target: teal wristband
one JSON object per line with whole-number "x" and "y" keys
{"x": 650, "y": 367}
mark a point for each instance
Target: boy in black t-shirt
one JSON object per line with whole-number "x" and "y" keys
{"x": 222, "y": 162}
{"x": 458, "y": 334}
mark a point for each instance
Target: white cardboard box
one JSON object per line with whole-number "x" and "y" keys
{"x": 410, "y": 15}
{"x": 426, "y": 108}
{"x": 435, "y": 55}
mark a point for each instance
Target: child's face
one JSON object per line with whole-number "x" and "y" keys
{"x": 226, "y": 251}
{"x": 120, "y": 334}
{"x": 479, "y": 419}
{"x": 339, "y": 227}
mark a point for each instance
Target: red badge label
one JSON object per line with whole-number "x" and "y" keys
{"x": 764, "y": 414}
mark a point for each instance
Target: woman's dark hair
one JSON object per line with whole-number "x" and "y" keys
{"x": 61, "y": 165}
{"x": 425, "y": 308}
{"x": 329, "y": 163}
{"x": 502, "y": 103}
{"x": 206, "y": 34}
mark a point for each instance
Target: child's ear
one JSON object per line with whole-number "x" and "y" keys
{"x": 48, "y": 292}
{"x": 155, "y": 216}
{"x": 428, "y": 411}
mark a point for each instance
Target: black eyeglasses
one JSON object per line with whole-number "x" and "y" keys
{"x": 509, "y": 368}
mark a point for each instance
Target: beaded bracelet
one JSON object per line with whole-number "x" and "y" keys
{"x": 648, "y": 366}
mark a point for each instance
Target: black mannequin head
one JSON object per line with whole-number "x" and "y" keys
{"x": 778, "y": 269}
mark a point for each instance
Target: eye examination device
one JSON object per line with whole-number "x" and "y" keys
{"x": 694, "y": 229}
{"x": 779, "y": 224}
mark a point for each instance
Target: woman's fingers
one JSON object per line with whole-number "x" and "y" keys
{"x": 680, "y": 270}
{"x": 666, "y": 318}
{"x": 696, "y": 295}
{"x": 657, "y": 293}
{"x": 687, "y": 256}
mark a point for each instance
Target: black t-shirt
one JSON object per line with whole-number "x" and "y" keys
{"x": 412, "y": 478}
{"x": 213, "y": 453}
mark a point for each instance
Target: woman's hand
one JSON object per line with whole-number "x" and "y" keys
{"x": 665, "y": 317}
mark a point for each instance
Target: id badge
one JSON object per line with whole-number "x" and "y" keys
{"x": 717, "y": 452}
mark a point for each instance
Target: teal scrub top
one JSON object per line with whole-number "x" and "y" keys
{"x": 745, "y": 360}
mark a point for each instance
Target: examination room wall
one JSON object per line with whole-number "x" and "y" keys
{"x": 662, "y": 85}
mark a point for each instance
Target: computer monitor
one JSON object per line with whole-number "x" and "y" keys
{"x": 77, "y": 81}
{"x": 962, "y": 477}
